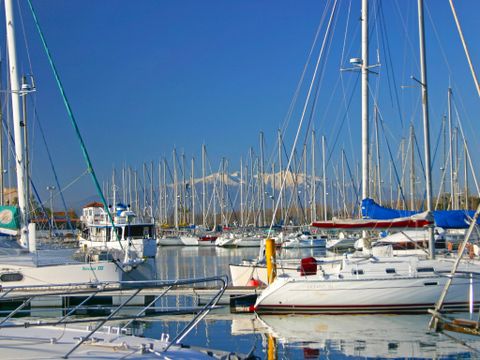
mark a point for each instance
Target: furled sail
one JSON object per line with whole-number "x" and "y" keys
{"x": 447, "y": 219}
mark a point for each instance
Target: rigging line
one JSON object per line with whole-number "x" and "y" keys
{"x": 346, "y": 33}
{"x": 72, "y": 119}
{"x": 406, "y": 33}
{"x": 318, "y": 85}
{"x": 465, "y": 48}
{"x": 422, "y": 167}
{"x": 297, "y": 91}
{"x": 459, "y": 121}
{"x": 289, "y": 114}
{"x": 343, "y": 120}
{"x": 52, "y": 166}
{"x": 25, "y": 37}
{"x": 389, "y": 67}
{"x": 391, "y": 157}
{"x": 304, "y": 110}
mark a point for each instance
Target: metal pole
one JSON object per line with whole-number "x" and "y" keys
{"x": 15, "y": 97}
{"x": 313, "y": 182}
{"x": 324, "y": 170}
{"x": 426, "y": 125}
{"x": 204, "y": 187}
{"x": 450, "y": 133}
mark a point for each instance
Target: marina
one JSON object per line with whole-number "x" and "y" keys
{"x": 350, "y": 230}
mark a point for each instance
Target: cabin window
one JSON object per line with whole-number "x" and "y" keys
{"x": 357, "y": 272}
{"x": 390, "y": 271}
{"x": 425, "y": 269}
{"x": 138, "y": 231}
{"x": 11, "y": 277}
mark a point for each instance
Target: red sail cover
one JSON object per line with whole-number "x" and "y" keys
{"x": 415, "y": 221}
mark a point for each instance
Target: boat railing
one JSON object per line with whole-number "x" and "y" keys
{"x": 128, "y": 290}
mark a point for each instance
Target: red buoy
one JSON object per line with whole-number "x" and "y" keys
{"x": 254, "y": 282}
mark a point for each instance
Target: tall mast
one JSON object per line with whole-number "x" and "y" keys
{"x": 192, "y": 190}
{"x": 305, "y": 182}
{"x": 204, "y": 188}
{"x": 465, "y": 173}
{"x": 377, "y": 145}
{"x": 412, "y": 169}
{"x": 241, "y": 192}
{"x": 280, "y": 172}
{"x": 175, "y": 188}
{"x": 152, "y": 178}
{"x": 426, "y": 125}
{"x": 313, "y": 211}
{"x": 450, "y": 146}
{"x": 324, "y": 171}
{"x": 15, "y": 96}
{"x": 165, "y": 212}
{"x": 365, "y": 114}
{"x": 262, "y": 179}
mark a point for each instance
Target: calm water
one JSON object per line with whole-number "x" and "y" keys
{"x": 298, "y": 337}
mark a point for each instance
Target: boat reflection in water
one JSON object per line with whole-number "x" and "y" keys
{"x": 363, "y": 336}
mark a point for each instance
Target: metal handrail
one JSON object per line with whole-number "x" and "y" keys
{"x": 96, "y": 288}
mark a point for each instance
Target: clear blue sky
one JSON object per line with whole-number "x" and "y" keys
{"x": 145, "y": 76}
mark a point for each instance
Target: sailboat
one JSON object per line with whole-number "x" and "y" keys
{"x": 21, "y": 265}
{"x": 370, "y": 284}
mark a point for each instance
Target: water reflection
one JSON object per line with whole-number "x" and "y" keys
{"x": 181, "y": 262}
{"x": 362, "y": 336}
{"x": 299, "y": 337}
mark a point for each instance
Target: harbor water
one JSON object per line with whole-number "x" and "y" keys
{"x": 299, "y": 337}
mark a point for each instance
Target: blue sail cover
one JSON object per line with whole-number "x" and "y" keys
{"x": 447, "y": 219}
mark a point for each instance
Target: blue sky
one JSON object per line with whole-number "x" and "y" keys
{"x": 146, "y": 76}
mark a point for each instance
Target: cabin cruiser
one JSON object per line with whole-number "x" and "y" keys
{"x": 131, "y": 238}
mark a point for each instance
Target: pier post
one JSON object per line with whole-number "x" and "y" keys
{"x": 270, "y": 257}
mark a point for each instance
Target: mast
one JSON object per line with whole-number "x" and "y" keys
{"x": 175, "y": 188}
{"x": 165, "y": 212}
{"x": 23, "y": 94}
{"x": 192, "y": 190}
{"x": 465, "y": 173}
{"x": 365, "y": 114}
{"x": 450, "y": 146}
{"x": 241, "y": 192}
{"x": 15, "y": 97}
{"x": 377, "y": 144}
{"x": 262, "y": 179}
{"x": 313, "y": 211}
{"x": 204, "y": 188}
{"x": 305, "y": 182}
{"x": 426, "y": 126}
{"x": 412, "y": 169}
{"x": 324, "y": 170}
{"x": 280, "y": 172}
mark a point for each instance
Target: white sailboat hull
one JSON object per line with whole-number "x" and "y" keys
{"x": 348, "y": 291}
{"x": 103, "y": 271}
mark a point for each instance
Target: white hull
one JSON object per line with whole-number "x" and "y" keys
{"x": 226, "y": 241}
{"x": 103, "y": 271}
{"x": 304, "y": 244}
{"x": 341, "y": 243}
{"x": 241, "y": 274}
{"x": 248, "y": 242}
{"x": 366, "y": 287}
{"x": 189, "y": 240}
{"x": 51, "y": 342}
{"x": 170, "y": 241}
{"x": 141, "y": 247}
